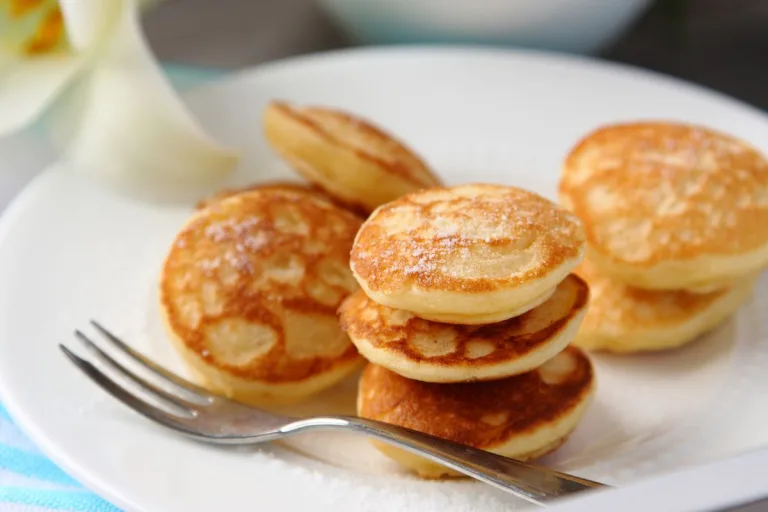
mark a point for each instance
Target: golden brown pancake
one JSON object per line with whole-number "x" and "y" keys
{"x": 249, "y": 292}
{"x": 471, "y": 254}
{"x": 522, "y": 417}
{"x": 438, "y": 352}
{"x": 669, "y": 206}
{"x": 347, "y": 156}
{"x": 625, "y": 319}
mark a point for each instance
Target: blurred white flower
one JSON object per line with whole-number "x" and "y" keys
{"x": 114, "y": 115}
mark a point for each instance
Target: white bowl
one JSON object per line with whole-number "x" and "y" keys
{"x": 575, "y": 26}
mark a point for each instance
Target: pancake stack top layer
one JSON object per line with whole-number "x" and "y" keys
{"x": 676, "y": 220}
{"x": 471, "y": 254}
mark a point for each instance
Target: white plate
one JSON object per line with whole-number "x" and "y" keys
{"x": 70, "y": 251}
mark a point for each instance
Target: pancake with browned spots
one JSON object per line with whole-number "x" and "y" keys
{"x": 522, "y": 417}
{"x": 669, "y": 206}
{"x": 626, "y": 319}
{"x": 470, "y": 254}
{"x": 249, "y": 291}
{"x": 439, "y": 352}
{"x": 348, "y": 157}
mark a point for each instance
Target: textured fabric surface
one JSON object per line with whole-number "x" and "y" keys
{"x": 29, "y": 482}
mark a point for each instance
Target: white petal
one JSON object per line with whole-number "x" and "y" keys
{"x": 124, "y": 124}
{"x": 29, "y": 86}
{"x": 91, "y": 23}
{"x": 29, "y": 82}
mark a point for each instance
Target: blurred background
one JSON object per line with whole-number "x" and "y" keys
{"x": 722, "y": 44}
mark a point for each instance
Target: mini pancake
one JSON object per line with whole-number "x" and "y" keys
{"x": 471, "y": 254}
{"x": 523, "y": 417}
{"x": 438, "y": 352}
{"x": 249, "y": 292}
{"x": 669, "y": 206}
{"x": 348, "y": 157}
{"x": 626, "y": 319}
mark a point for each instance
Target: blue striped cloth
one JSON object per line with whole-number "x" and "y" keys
{"x": 29, "y": 481}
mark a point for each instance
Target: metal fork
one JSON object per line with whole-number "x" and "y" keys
{"x": 204, "y": 416}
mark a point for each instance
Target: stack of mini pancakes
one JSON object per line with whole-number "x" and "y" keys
{"x": 466, "y": 309}
{"x": 676, "y": 220}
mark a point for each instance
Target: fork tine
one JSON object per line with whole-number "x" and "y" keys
{"x": 167, "y": 398}
{"x": 132, "y": 401}
{"x": 170, "y": 378}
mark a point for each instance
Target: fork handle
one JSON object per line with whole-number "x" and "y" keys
{"x": 533, "y": 483}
